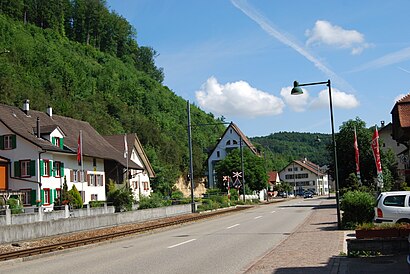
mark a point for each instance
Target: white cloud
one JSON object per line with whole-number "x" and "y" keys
{"x": 386, "y": 60}
{"x": 302, "y": 102}
{"x": 237, "y": 98}
{"x": 297, "y": 103}
{"x": 340, "y": 99}
{"x": 286, "y": 39}
{"x": 325, "y": 33}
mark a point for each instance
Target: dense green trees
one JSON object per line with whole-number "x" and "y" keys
{"x": 88, "y": 22}
{"x": 256, "y": 177}
{"x": 346, "y": 157}
{"x": 82, "y": 82}
{"x": 283, "y": 147}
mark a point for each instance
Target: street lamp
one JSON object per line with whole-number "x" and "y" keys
{"x": 296, "y": 90}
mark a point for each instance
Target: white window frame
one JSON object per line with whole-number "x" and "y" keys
{"x": 25, "y": 168}
{"x": 8, "y": 143}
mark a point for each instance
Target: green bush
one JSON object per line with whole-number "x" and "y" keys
{"x": 15, "y": 205}
{"x": 96, "y": 203}
{"x": 358, "y": 208}
{"x": 154, "y": 201}
{"x": 121, "y": 198}
{"x": 75, "y": 197}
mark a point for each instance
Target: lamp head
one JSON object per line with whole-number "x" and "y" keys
{"x": 296, "y": 90}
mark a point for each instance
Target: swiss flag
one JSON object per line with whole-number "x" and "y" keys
{"x": 79, "y": 152}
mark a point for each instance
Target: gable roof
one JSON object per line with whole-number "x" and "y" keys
{"x": 117, "y": 141}
{"x": 402, "y": 107}
{"x": 312, "y": 167}
{"x": 23, "y": 125}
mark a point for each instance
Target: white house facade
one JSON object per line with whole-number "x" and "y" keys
{"x": 232, "y": 138}
{"x": 305, "y": 176}
{"x": 38, "y": 154}
{"x": 138, "y": 177}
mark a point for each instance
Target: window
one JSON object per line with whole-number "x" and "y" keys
{"x": 47, "y": 196}
{"x": 396, "y": 200}
{"x": 57, "y": 141}
{"x": 94, "y": 162}
{"x": 146, "y": 186}
{"x": 25, "y": 168}
{"x": 46, "y": 167}
{"x": 218, "y": 154}
{"x": 7, "y": 141}
{"x": 58, "y": 194}
{"x": 57, "y": 169}
{"x": 228, "y": 143}
{"x": 94, "y": 197}
{"x": 235, "y": 142}
{"x": 290, "y": 169}
{"x": 26, "y": 197}
{"x": 99, "y": 180}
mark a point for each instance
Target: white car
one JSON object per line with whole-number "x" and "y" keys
{"x": 393, "y": 207}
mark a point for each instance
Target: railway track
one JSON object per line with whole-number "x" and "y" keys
{"x": 109, "y": 236}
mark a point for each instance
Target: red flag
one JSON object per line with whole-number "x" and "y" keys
{"x": 79, "y": 152}
{"x": 356, "y": 150}
{"x": 376, "y": 151}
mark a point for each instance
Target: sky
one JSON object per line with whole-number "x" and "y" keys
{"x": 239, "y": 58}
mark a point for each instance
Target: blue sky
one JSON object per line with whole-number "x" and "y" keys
{"x": 238, "y": 59}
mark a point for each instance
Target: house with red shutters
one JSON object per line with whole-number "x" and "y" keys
{"x": 38, "y": 154}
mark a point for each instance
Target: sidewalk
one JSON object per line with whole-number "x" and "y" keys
{"x": 316, "y": 247}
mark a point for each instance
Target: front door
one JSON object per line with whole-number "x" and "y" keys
{"x": 3, "y": 177}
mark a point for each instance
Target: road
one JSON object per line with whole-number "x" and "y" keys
{"x": 226, "y": 244}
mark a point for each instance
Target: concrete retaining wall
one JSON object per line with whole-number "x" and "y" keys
{"x": 29, "y": 231}
{"x": 384, "y": 246}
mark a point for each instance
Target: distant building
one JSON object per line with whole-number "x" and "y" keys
{"x": 304, "y": 175}
{"x": 232, "y": 138}
{"x": 273, "y": 179}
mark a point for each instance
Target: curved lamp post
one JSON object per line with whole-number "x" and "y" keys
{"x": 296, "y": 90}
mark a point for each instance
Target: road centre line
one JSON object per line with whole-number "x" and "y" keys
{"x": 257, "y": 217}
{"x": 232, "y": 226}
{"x": 172, "y": 246}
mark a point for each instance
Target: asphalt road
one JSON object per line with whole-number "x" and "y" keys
{"x": 226, "y": 244}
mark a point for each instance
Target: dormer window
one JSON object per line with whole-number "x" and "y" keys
{"x": 59, "y": 142}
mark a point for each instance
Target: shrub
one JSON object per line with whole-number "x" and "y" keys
{"x": 358, "y": 208}
{"x": 15, "y": 205}
{"x": 75, "y": 197}
{"x": 97, "y": 203}
{"x": 155, "y": 200}
{"x": 121, "y": 198}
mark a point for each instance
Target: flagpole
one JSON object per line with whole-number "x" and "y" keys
{"x": 82, "y": 163}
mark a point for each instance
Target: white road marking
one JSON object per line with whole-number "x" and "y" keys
{"x": 172, "y": 246}
{"x": 273, "y": 211}
{"x": 257, "y": 217}
{"x": 232, "y": 226}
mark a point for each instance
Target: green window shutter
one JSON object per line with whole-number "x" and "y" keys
{"x": 62, "y": 169}
{"x": 41, "y": 168}
{"x": 13, "y": 141}
{"x": 51, "y": 196}
{"x": 53, "y": 140}
{"x": 1, "y": 142}
{"x": 17, "y": 169}
{"x": 51, "y": 171}
{"x": 54, "y": 194}
{"x": 62, "y": 143}
{"x": 33, "y": 167}
{"x": 33, "y": 196}
{"x": 42, "y": 196}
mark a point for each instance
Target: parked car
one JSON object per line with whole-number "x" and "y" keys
{"x": 393, "y": 207}
{"x": 308, "y": 194}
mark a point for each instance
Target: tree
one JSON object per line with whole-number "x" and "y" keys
{"x": 121, "y": 198}
{"x": 75, "y": 197}
{"x": 346, "y": 156}
{"x": 256, "y": 177}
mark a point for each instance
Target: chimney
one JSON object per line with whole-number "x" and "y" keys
{"x": 38, "y": 128}
{"x": 50, "y": 111}
{"x": 382, "y": 123}
{"x": 26, "y": 106}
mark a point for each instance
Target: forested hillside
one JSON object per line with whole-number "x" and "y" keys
{"x": 85, "y": 62}
{"x": 283, "y": 147}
